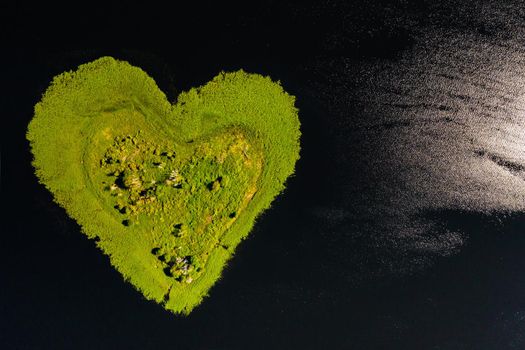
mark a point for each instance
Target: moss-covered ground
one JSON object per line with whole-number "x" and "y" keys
{"x": 167, "y": 191}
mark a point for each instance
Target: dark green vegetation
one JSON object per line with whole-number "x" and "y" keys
{"x": 167, "y": 190}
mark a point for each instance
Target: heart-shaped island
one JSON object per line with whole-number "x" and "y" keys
{"x": 167, "y": 191}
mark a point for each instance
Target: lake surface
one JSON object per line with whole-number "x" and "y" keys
{"x": 393, "y": 234}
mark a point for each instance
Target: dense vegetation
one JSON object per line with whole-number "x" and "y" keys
{"x": 167, "y": 191}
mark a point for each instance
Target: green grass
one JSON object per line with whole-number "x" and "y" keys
{"x": 168, "y": 191}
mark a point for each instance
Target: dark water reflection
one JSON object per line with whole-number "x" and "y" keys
{"x": 301, "y": 280}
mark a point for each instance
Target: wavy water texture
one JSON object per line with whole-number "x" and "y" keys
{"x": 440, "y": 128}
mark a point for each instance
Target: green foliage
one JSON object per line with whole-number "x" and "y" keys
{"x": 168, "y": 190}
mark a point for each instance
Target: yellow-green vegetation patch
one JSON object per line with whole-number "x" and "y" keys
{"x": 168, "y": 191}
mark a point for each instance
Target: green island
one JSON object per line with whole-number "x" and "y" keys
{"x": 167, "y": 191}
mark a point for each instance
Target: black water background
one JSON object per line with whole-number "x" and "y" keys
{"x": 283, "y": 289}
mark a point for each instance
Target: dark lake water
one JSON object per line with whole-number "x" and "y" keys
{"x": 373, "y": 245}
